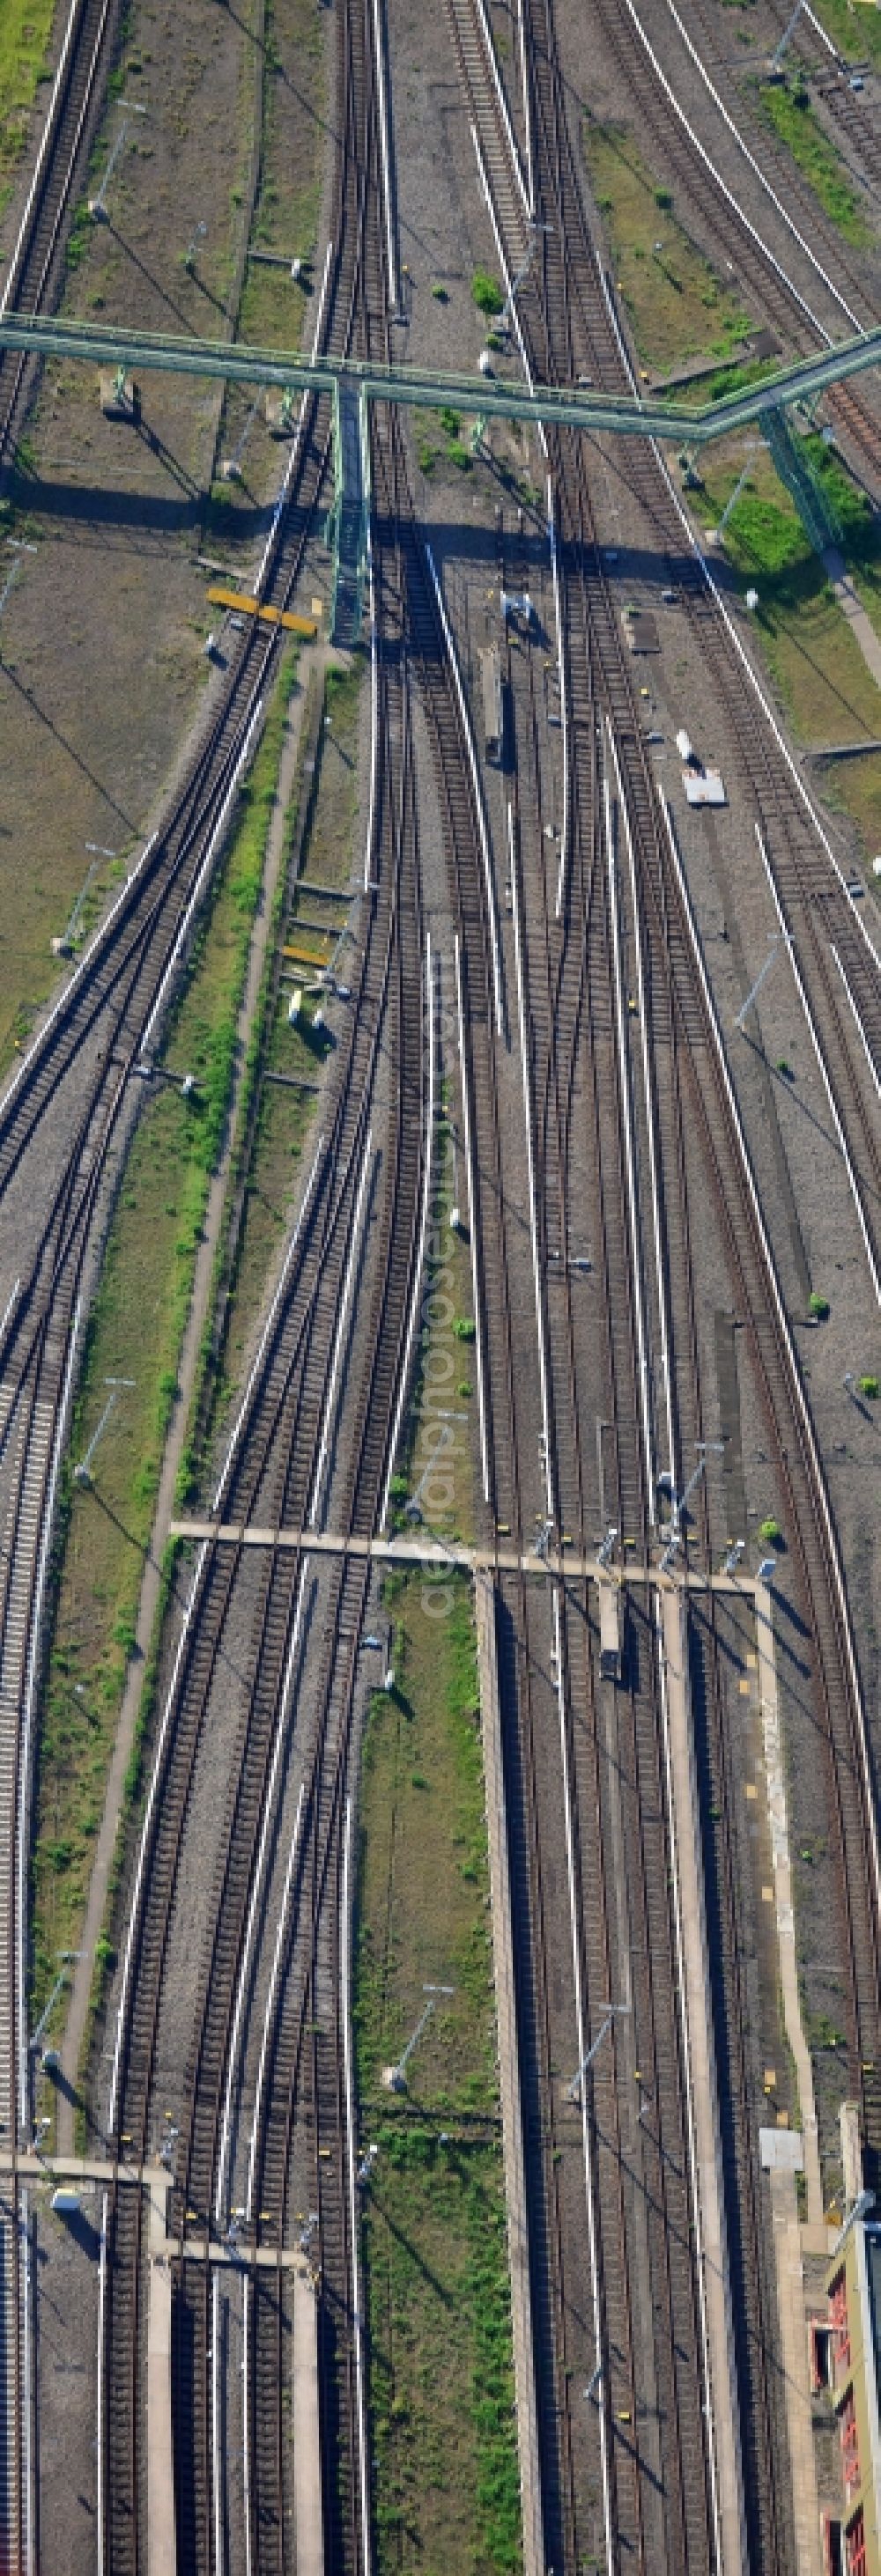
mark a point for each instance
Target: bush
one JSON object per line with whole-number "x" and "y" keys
{"x": 450, "y": 421}
{"x": 819, "y": 1307}
{"x": 459, "y": 455}
{"x": 464, "y": 1329}
{"x": 486, "y": 292}
{"x": 868, "y": 1386}
{"x": 770, "y": 1531}
{"x": 440, "y": 293}
{"x": 664, "y": 199}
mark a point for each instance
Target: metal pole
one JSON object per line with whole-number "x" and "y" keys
{"x": 611, "y": 2009}
{"x": 395, "y": 2078}
{"x": 680, "y": 1500}
{"x": 787, "y": 32}
{"x": 733, "y": 497}
{"x": 190, "y": 252}
{"x": 445, "y": 1441}
{"x": 97, "y": 208}
{"x": 82, "y": 1475}
{"x": 760, "y": 978}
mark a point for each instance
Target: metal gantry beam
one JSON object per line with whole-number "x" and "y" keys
{"x": 567, "y": 407}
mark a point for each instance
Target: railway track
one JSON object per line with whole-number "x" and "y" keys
{"x": 35, "y": 267}
{"x": 586, "y": 332}
{"x": 833, "y": 292}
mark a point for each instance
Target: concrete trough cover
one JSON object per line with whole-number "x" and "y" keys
{"x": 641, "y": 631}
{"x": 765, "y": 344}
{"x": 704, "y": 787}
{"x": 781, "y": 2150}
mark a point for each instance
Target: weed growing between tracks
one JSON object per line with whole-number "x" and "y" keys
{"x": 820, "y": 674}
{"x": 285, "y": 1113}
{"x": 790, "y": 113}
{"x": 435, "y": 2250}
{"x": 678, "y": 307}
{"x": 135, "y": 1332}
{"x": 25, "y": 28}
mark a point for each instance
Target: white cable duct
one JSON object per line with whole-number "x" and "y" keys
{"x": 256, "y": 1896}
{"x": 801, "y": 1406}
{"x": 734, "y": 638}
{"x": 217, "y": 2458}
{"x": 230, "y": 1459}
{"x": 855, "y": 1190}
{"x": 527, "y": 111}
{"x": 506, "y": 273}
{"x": 699, "y": 2249}
{"x": 394, "y": 287}
{"x": 727, "y": 193}
{"x": 472, "y": 1236}
{"x": 743, "y": 147}
{"x": 859, "y": 1024}
{"x": 483, "y": 832}
{"x": 25, "y": 1746}
{"x": 480, "y": 11}
{"x": 48, "y": 138}
{"x": 564, "y": 707}
{"x": 269, "y": 2015}
{"x": 590, "y": 2188}
{"x": 81, "y": 974}
{"x": 654, "y": 1175}
{"x": 102, "y": 2370}
{"x": 530, "y": 1164}
{"x": 152, "y": 1795}
{"x": 423, "y": 1231}
{"x": 314, "y": 1503}
{"x": 357, "y": 2316}
{"x": 369, "y": 849}
{"x": 30, "y": 2463}
{"x": 820, "y": 31}
{"x": 214, "y": 845}
{"x": 630, "y": 1167}
{"x": 293, "y": 459}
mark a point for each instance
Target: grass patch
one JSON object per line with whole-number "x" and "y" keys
{"x": 135, "y": 1331}
{"x": 441, "y": 2378}
{"x": 486, "y": 292}
{"x": 25, "y": 28}
{"x": 856, "y": 32}
{"x": 820, "y": 672}
{"x": 678, "y": 307}
{"x": 791, "y": 115}
{"x": 285, "y": 1115}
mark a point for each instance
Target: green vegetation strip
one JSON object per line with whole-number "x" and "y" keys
{"x": 282, "y": 1113}
{"x": 815, "y": 662}
{"x": 678, "y": 307}
{"x": 441, "y": 2388}
{"x": 790, "y": 113}
{"x": 25, "y": 28}
{"x": 135, "y": 1332}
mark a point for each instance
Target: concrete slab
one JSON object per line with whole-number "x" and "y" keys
{"x": 308, "y": 2518}
{"x": 161, "y": 2532}
{"x": 433, "y": 1551}
{"x": 704, "y": 2095}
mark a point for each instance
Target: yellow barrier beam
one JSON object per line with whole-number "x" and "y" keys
{"x": 248, "y": 607}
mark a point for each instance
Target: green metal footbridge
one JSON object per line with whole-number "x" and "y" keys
{"x": 353, "y": 384}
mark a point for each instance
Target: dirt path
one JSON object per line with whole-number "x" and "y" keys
{"x": 316, "y": 658}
